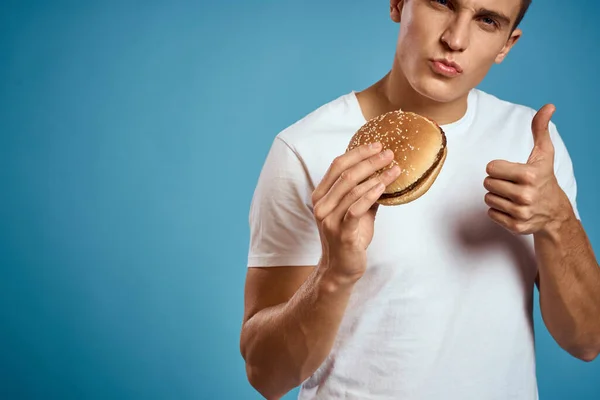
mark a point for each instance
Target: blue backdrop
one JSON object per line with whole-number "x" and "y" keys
{"x": 125, "y": 128}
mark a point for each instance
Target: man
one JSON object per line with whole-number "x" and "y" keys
{"x": 431, "y": 299}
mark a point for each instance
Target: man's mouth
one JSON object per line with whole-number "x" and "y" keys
{"x": 446, "y": 67}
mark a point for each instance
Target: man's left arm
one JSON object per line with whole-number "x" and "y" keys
{"x": 569, "y": 283}
{"x": 527, "y": 199}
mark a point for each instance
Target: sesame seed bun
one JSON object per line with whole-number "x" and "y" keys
{"x": 419, "y": 146}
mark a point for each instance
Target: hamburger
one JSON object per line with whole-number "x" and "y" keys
{"x": 419, "y": 146}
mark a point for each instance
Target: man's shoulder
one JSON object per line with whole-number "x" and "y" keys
{"x": 342, "y": 114}
{"x": 491, "y": 104}
{"x": 506, "y": 114}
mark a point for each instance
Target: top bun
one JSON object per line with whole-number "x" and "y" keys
{"x": 419, "y": 146}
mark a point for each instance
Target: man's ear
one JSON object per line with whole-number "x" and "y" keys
{"x": 512, "y": 40}
{"x": 396, "y": 9}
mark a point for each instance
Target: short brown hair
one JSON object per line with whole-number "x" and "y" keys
{"x": 524, "y": 7}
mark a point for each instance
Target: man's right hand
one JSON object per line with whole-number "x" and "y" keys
{"x": 345, "y": 204}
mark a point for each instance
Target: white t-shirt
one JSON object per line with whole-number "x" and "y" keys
{"x": 444, "y": 310}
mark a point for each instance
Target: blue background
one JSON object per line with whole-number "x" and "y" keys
{"x": 124, "y": 128}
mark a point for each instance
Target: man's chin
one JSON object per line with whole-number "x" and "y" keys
{"x": 440, "y": 90}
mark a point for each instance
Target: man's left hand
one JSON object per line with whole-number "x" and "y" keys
{"x": 526, "y": 198}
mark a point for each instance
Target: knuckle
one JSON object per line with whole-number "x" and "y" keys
{"x": 328, "y": 225}
{"x": 523, "y": 213}
{"x": 376, "y": 190}
{"x": 525, "y": 198}
{"x": 518, "y": 213}
{"x": 318, "y": 212}
{"x": 352, "y": 213}
{"x": 355, "y": 193}
{"x": 374, "y": 161}
{"x": 347, "y": 176}
{"x": 519, "y": 227}
{"x": 337, "y": 162}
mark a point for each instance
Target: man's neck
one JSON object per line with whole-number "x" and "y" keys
{"x": 394, "y": 92}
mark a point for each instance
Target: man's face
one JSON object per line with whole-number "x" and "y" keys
{"x": 473, "y": 34}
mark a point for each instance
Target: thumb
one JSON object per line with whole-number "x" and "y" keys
{"x": 540, "y": 130}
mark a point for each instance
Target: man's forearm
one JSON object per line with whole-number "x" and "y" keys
{"x": 569, "y": 287}
{"x": 284, "y": 344}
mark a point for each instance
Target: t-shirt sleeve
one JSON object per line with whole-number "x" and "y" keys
{"x": 283, "y": 231}
{"x": 563, "y": 168}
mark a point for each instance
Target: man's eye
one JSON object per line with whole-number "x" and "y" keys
{"x": 442, "y": 2}
{"x": 490, "y": 22}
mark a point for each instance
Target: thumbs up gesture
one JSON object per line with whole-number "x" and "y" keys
{"x": 526, "y": 198}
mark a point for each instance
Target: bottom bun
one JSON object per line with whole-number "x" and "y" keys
{"x": 419, "y": 190}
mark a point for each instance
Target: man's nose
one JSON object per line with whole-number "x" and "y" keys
{"x": 456, "y": 35}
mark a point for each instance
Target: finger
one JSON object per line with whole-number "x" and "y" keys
{"x": 500, "y": 203}
{"x": 351, "y": 178}
{"x": 502, "y": 219}
{"x": 506, "y": 170}
{"x": 523, "y": 195}
{"x": 359, "y": 208}
{"x": 517, "y": 193}
{"x": 506, "y": 189}
{"x": 539, "y": 128}
{"x": 342, "y": 163}
{"x": 508, "y": 222}
{"x": 359, "y": 191}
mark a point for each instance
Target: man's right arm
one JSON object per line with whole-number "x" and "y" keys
{"x": 288, "y": 333}
{"x": 292, "y": 313}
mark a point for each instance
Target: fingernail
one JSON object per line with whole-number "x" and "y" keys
{"x": 386, "y": 153}
{"x": 375, "y": 145}
{"x": 393, "y": 171}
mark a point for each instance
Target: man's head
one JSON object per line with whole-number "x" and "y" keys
{"x": 446, "y": 47}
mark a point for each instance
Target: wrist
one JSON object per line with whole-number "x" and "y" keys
{"x": 332, "y": 280}
{"x": 563, "y": 216}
